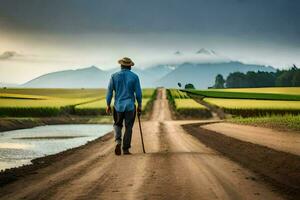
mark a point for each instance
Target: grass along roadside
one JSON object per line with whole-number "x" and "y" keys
{"x": 279, "y": 122}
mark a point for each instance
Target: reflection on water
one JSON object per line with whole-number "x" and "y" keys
{"x": 11, "y": 145}
{"x": 20, "y": 146}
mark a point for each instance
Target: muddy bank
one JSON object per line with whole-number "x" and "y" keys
{"x": 280, "y": 169}
{"x": 10, "y": 175}
{"x": 7, "y": 124}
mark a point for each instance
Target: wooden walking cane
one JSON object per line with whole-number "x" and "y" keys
{"x": 139, "y": 114}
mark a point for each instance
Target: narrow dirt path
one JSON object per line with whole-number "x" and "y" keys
{"x": 217, "y": 112}
{"x": 176, "y": 166}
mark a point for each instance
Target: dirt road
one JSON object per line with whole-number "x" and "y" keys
{"x": 282, "y": 141}
{"x": 176, "y": 166}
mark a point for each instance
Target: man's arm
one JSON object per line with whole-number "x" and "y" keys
{"x": 138, "y": 95}
{"x": 109, "y": 95}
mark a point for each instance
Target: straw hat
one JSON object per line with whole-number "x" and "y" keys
{"x": 126, "y": 62}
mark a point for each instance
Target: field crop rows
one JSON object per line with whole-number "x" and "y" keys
{"x": 98, "y": 107}
{"x": 249, "y": 102}
{"x": 54, "y": 102}
{"x": 250, "y": 108}
{"x": 272, "y": 90}
{"x": 43, "y": 102}
{"x": 256, "y": 94}
{"x": 185, "y": 107}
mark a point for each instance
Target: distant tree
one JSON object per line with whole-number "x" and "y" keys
{"x": 219, "y": 81}
{"x": 261, "y": 79}
{"x": 189, "y": 86}
{"x": 280, "y": 78}
{"x": 296, "y": 77}
{"x": 237, "y": 80}
{"x": 294, "y": 67}
{"x": 285, "y": 79}
{"x": 179, "y": 84}
{"x": 252, "y": 78}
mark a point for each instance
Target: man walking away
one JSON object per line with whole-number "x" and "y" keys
{"x": 126, "y": 86}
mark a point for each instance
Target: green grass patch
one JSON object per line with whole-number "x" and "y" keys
{"x": 281, "y": 122}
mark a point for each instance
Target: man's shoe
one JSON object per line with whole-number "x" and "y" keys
{"x": 118, "y": 149}
{"x": 126, "y": 152}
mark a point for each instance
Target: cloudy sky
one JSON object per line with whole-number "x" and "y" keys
{"x": 40, "y": 36}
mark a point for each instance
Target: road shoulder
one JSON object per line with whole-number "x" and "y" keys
{"x": 280, "y": 169}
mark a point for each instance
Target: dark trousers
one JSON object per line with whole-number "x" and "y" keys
{"x": 128, "y": 117}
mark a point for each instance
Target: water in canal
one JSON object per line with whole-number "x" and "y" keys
{"x": 18, "y": 147}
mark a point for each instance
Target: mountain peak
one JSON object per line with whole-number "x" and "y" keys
{"x": 177, "y": 53}
{"x": 204, "y": 51}
{"x": 93, "y": 67}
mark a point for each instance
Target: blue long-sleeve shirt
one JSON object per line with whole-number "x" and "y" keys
{"x": 127, "y": 88}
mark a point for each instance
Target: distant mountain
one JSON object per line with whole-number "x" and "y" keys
{"x": 177, "y": 53}
{"x": 151, "y": 75}
{"x": 203, "y": 75}
{"x": 204, "y": 51}
{"x": 91, "y": 77}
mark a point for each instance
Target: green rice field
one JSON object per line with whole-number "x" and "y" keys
{"x": 185, "y": 107}
{"x": 249, "y": 108}
{"x": 289, "y": 94}
{"x": 99, "y": 107}
{"x": 54, "y": 102}
{"x": 250, "y": 102}
{"x": 273, "y": 90}
{"x": 187, "y": 104}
